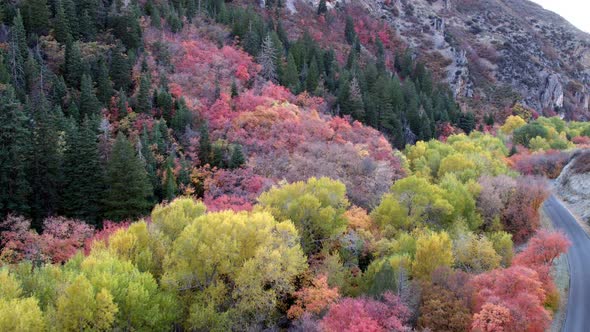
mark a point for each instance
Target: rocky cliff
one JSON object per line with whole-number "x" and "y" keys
{"x": 573, "y": 185}
{"x": 495, "y": 52}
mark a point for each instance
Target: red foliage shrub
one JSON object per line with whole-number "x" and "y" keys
{"x": 539, "y": 254}
{"x": 60, "y": 240}
{"x": 108, "y": 228}
{"x": 581, "y": 140}
{"x": 515, "y": 202}
{"x": 547, "y": 164}
{"x": 517, "y": 289}
{"x": 363, "y": 314}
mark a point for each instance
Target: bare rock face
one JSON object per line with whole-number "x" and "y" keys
{"x": 573, "y": 185}
{"x": 513, "y": 44}
{"x": 552, "y": 94}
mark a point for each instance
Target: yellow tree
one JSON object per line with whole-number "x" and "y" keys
{"x": 80, "y": 308}
{"x": 432, "y": 250}
{"x": 413, "y": 201}
{"x": 21, "y": 315}
{"x": 315, "y": 207}
{"x": 236, "y": 265}
{"x": 512, "y": 123}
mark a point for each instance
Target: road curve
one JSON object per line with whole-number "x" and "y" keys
{"x": 578, "y": 306}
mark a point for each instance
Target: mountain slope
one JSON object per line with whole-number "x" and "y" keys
{"x": 488, "y": 49}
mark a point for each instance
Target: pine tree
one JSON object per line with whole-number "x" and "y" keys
{"x": 169, "y": 185}
{"x": 61, "y": 27}
{"x": 73, "y": 64}
{"x": 313, "y": 76}
{"x": 290, "y": 74}
{"x": 143, "y": 103}
{"x": 267, "y": 59}
{"x": 15, "y": 142}
{"x": 83, "y": 180}
{"x": 218, "y": 156}
{"x": 349, "y": 32}
{"x": 87, "y": 28}
{"x": 380, "y": 56}
{"x": 322, "y": 8}
{"x": 237, "y": 157}
{"x": 4, "y": 72}
{"x": 513, "y": 150}
{"x": 36, "y": 16}
{"x": 204, "y": 145}
{"x": 120, "y": 69}
{"x": 104, "y": 90}
{"x": 149, "y": 161}
{"x": 89, "y": 105}
{"x": 72, "y": 15}
{"x": 45, "y": 173}
{"x": 128, "y": 187}
{"x": 234, "y": 89}
{"x": 467, "y": 122}
{"x": 182, "y": 117}
{"x": 164, "y": 102}
{"x": 19, "y": 35}
{"x": 18, "y": 52}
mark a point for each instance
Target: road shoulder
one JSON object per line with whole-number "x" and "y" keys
{"x": 561, "y": 276}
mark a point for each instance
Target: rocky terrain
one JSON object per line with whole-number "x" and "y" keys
{"x": 495, "y": 53}
{"x": 573, "y": 185}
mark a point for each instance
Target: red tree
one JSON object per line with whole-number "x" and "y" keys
{"x": 363, "y": 314}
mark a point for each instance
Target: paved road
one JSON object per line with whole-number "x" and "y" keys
{"x": 578, "y": 306}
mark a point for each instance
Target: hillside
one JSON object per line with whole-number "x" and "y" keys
{"x": 479, "y": 47}
{"x": 203, "y": 165}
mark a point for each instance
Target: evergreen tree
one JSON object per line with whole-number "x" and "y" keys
{"x": 467, "y": 122}
{"x": 313, "y": 76}
{"x": 349, "y": 32}
{"x": 104, "y": 89}
{"x": 32, "y": 74}
{"x": 234, "y": 89}
{"x": 165, "y": 103}
{"x": 322, "y": 8}
{"x": 45, "y": 173}
{"x": 73, "y": 111}
{"x": 19, "y": 35}
{"x": 36, "y": 16}
{"x": 204, "y": 145}
{"x": 15, "y": 143}
{"x": 143, "y": 103}
{"x": 87, "y": 28}
{"x": 83, "y": 177}
{"x": 73, "y": 64}
{"x": 169, "y": 186}
{"x": 120, "y": 69}
{"x": 61, "y": 27}
{"x": 128, "y": 188}
{"x": 237, "y": 157}
{"x": 149, "y": 161}
{"x": 290, "y": 77}
{"x": 18, "y": 52}
{"x": 89, "y": 106}
{"x": 4, "y": 72}
{"x": 380, "y": 55}
{"x": 513, "y": 150}
{"x": 182, "y": 117}
{"x": 72, "y": 15}
{"x": 218, "y": 156}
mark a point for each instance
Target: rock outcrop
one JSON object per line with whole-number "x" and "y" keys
{"x": 573, "y": 185}
{"x": 486, "y": 44}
